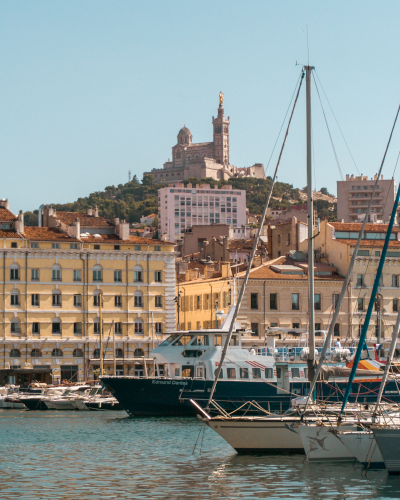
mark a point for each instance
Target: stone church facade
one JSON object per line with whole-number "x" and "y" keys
{"x": 204, "y": 159}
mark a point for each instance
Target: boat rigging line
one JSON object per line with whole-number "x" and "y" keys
{"x": 257, "y": 239}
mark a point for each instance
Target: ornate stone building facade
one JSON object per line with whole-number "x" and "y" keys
{"x": 204, "y": 159}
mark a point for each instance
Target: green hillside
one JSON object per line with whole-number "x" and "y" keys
{"x": 132, "y": 200}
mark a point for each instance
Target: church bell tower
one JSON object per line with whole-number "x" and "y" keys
{"x": 221, "y": 134}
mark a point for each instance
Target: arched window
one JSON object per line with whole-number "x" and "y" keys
{"x": 119, "y": 353}
{"x": 78, "y": 353}
{"x": 96, "y": 325}
{"x": 96, "y": 297}
{"x": 138, "y": 274}
{"x": 56, "y": 325}
{"x": 15, "y": 326}
{"x": 138, "y": 353}
{"x": 57, "y": 353}
{"x": 56, "y": 272}
{"x": 14, "y": 272}
{"x": 96, "y": 353}
{"x": 15, "y": 353}
{"x": 97, "y": 273}
{"x": 36, "y": 353}
{"x": 138, "y": 325}
{"x": 138, "y": 298}
{"x": 15, "y": 297}
{"x": 56, "y": 298}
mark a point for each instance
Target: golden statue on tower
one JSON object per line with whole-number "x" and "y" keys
{"x": 221, "y": 99}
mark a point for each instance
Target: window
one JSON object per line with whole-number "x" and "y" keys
{"x": 198, "y": 302}
{"x": 295, "y": 302}
{"x": 118, "y": 328}
{"x": 244, "y": 373}
{"x": 117, "y": 247}
{"x": 57, "y": 353}
{"x": 137, "y": 248}
{"x": 221, "y": 375}
{"x": 157, "y": 248}
{"x": 317, "y": 327}
{"x": 73, "y": 246}
{"x": 96, "y": 298}
{"x": 254, "y": 329}
{"x": 256, "y": 373}
{"x": 56, "y": 273}
{"x": 56, "y": 298}
{"x": 360, "y": 304}
{"x": 295, "y": 372}
{"x": 78, "y": 300}
{"x": 138, "y": 298}
{"x": 96, "y": 353}
{"x": 295, "y": 325}
{"x": 15, "y": 325}
{"x": 395, "y": 305}
{"x": 14, "y": 272}
{"x": 35, "y": 299}
{"x": 35, "y": 328}
{"x": 117, "y": 276}
{"x": 317, "y": 301}
{"x": 78, "y": 328}
{"x": 35, "y": 274}
{"x": 119, "y": 353}
{"x": 78, "y": 353}
{"x": 336, "y": 330}
{"x": 55, "y": 245}
{"x": 118, "y": 301}
{"x": 279, "y": 239}
{"x": 14, "y": 244}
{"x": 15, "y": 298}
{"x": 363, "y": 253}
{"x": 231, "y": 372}
{"x": 36, "y": 353}
{"x": 138, "y": 353}
{"x": 254, "y": 300}
{"x": 96, "y": 325}
{"x": 360, "y": 280}
{"x": 15, "y": 353}
{"x": 273, "y": 301}
{"x": 96, "y": 247}
{"x": 269, "y": 373}
{"x": 137, "y": 274}
{"x": 395, "y": 280}
{"x": 97, "y": 273}
{"x": 34, "y": 244}
{"x": 158, "y": 301}
{"x": 335, "y": 300}
{"x": 138, "y": 325}
{"x": 159, "y": 327}
{"x": 77, "y": 275}
{"x": 56, "y": 326}
{"x": 157, "y": 276}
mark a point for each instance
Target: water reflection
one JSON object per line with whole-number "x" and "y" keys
{"x": 88, "y": 455}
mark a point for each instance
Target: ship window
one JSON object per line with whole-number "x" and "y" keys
{"x": 185, "y": 339}
{"x": 170, "y": 339}
{"x": 269, "y": 373}
{"x": 256, "y": 373}
{"x": 221, "y": 375}
{"x": 295, "y": 372}
{"x": 231, "y": 372}
{"x": 200, "y": 340}
{"x": 234, "y": 340}
{"x": 218, "y": 340}
{"x": 177, "y": 372}
{"x": 244, "y": 373}
{"x": 192, "y": 353}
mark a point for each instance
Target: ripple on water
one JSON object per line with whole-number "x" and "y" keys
{"x": 92, "y": 455}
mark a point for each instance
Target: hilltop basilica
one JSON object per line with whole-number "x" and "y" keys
{"x": 204, "y": 159}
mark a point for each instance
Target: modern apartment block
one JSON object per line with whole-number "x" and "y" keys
{"x": 53, "y": 280}
{"x": 180, "y": 208}
{"x": 354, "y": 194}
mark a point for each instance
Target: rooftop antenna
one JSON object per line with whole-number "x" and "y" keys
{"x": 308, "y": 49}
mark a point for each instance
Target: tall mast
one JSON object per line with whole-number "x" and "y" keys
{"x": 310, "y": 223}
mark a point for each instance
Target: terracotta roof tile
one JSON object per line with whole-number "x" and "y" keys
{"x": 46, "y": 234}
{"x": 113, "y": 238}
{"x": 85, "y": 219}
{"x": 9, "y": 233}
{"x": 6, "y": 215}
{"x": 371, "y": 243}
{"x": 356, "y": 226}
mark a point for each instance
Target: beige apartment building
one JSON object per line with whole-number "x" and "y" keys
{"x": 52, "y": 282}
{"x": 354, "y": 194}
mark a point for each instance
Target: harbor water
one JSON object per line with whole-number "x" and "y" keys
{"x": 107, "y": 455}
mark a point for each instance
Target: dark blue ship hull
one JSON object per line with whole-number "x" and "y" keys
{"x": 170, "y": 397}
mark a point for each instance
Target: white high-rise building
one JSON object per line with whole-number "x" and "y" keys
{"x": 180, "y": 208}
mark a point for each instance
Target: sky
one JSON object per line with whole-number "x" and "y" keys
{"x": 92, "y": 89}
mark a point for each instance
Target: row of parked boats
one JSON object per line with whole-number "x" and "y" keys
{"x": 72, "y": 397}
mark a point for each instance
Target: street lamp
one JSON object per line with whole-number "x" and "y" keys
{"x": 177, "y": 297}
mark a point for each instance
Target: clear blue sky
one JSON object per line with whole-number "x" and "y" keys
{"x": 92, "y": 89}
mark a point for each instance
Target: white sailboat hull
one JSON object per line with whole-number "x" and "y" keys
{"x": 259, "y": 437}
{"x": 10, "y": 405}
{"x": 363, "y": 446}
{"x": 321, "y": 445}
{"x": 388, "y": 441}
